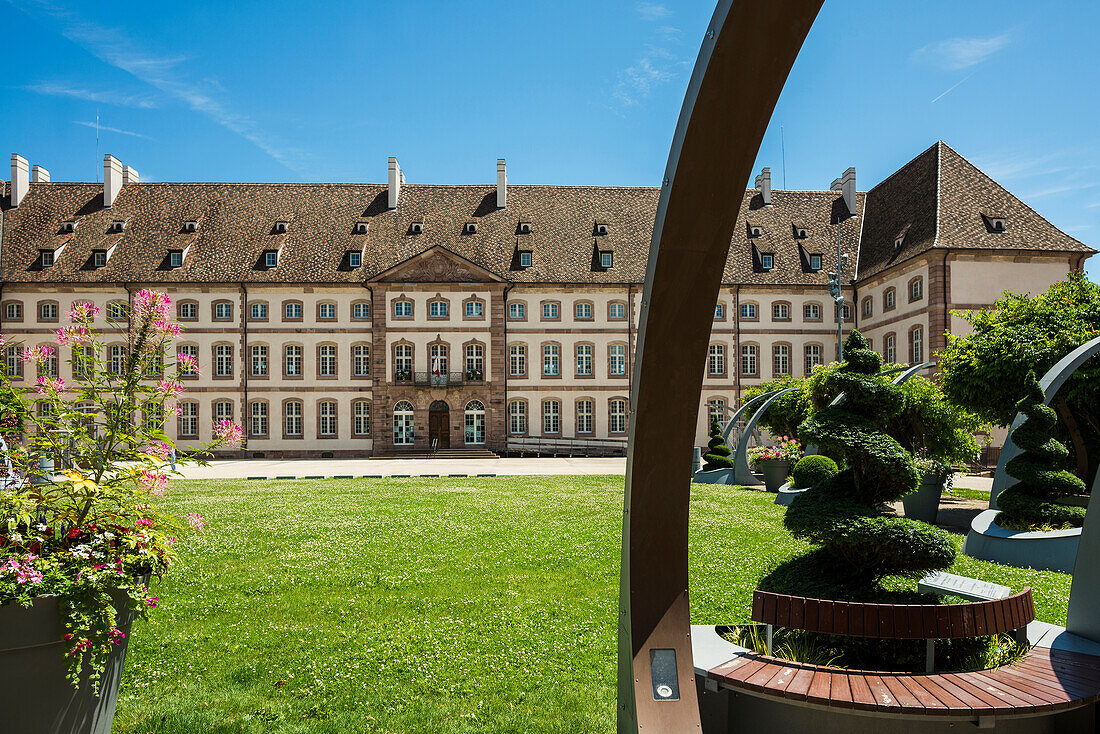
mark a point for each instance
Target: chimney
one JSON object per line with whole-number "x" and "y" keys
{"x": 764, "y": 184}
{"x": 20, "y": 181}
{"x": 40, "y": 175}
{"x": 112, "y": 179}
{"x": 846, "y": 185}
{"x": 396, "y": 179}
{"x": 502, "y": 184}
{"x": 129, "y": 176}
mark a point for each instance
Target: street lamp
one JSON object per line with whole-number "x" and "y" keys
{"x": 838, "y": 298}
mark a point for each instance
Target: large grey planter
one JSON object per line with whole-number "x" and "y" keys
{"x": 924, "y": 503}
{"x": 787, "y": 494}
{"x": 35, "y": 695}
{"x": 775, "y": 472}
{"x": 713, "y": 476}
{"x": 1049, "y": 550}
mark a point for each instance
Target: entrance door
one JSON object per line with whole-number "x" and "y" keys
{"x": 439, "y": 425}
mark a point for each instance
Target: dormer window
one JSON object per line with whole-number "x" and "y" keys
{"x": 815, "y": 262}
{"x": 755, "y": 231}
{"x": 898, "y": 242}
{"x": 271, "y": 258}
{"x": 175, "y": 258}
{"x": 69, "y": 226}
{"x": 191, "y": 226}
{"x": 526, "y": 259}
{"x": 800, "y": 233}
{"x": 118, "y": 225}
{"x": 601, "y": 229}
{"x": 607, "y": 259}
{"x": 471, "y": 228}
{"x": 525, "y": 228}
{"x": 355, "y": 259}
{"x": 416, "y": 228}
{"x": 99, "y": 258}
{"x": 46, "y": 258}
{"x": 996, "y": 224}
{"x": 767, "y": 261}
{"x": 280, "y": 227}
{"x": 361, "y": 227}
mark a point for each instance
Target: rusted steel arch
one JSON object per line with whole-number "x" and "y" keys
{"x": 746, "y": 55}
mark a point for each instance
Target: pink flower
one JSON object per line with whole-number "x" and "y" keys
{"x": 151, "y": 304}
{"x": 24, "y": 570}
{"x": 83, "y": 311}
{"x": 38, "y": 353}
{"x": 226, "y": 431}
{"x": 187, "y": 363}
{"x": 154, "y": 481}
{"x": 151, "y": 601}
{"x": 49, "y": 384}
{"x": 197, "y": 521}
{"x": 144, "y": 523}
{"x": 167, "y": 328}
{"x": 72, "y": 334}
{"x": 160, "y": 449}
{"x": 169, "y": 389}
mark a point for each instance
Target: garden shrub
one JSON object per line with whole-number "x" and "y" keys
{"x": 718, "y": 453}
{"x": 812, "y": 470}
{"x": 843, "y": 514}
{"x": 1033, "y": 501}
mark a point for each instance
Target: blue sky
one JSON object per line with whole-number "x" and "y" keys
{"x": 569, "y": 92}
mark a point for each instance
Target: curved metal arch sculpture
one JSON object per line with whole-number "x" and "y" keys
{"x": 1083, "y": 615}
{"x": 1051, "y": 383}
{"x": 743, "y": 63}
{"x": 741, "y": 473}
{"x": 740, "y": 412}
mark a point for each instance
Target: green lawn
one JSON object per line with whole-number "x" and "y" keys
{"x": 426, "y": 605}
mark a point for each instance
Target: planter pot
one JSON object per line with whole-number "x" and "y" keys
{"x": 787, "y": 494}
{"x": 35, "y": 695}
{"x": 1043, "y": 550}
{"x": 775, "y": 472}
{"x": 713, "y": 476}
{"x": 924, "y": 503}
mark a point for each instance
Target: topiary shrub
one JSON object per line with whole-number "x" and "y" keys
{"x": 843, "y": 514}
{"x": 812, "y": 470}
{"x": 1032, "y": 502}
{"x": 718, "y": 453}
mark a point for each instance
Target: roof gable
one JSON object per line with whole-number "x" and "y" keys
{"x": 436, "y": 265}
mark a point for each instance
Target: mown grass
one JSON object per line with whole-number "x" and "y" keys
{"x": 426, "y": 605}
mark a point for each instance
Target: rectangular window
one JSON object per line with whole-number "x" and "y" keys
{"x": 361, "y": 411}
{"x": 781, "y": 360}
{"x": 616, "y": 418}
{"x": 719, "y": 312}
{"x": 868, "y": 307}
{"x": 360, "y": 311}
{"x": 475, "y": 362}
{"x": 292, "y": 311}
{"x": 355, "y": 259}
{"x": 748, "y": 310}
{"x": 13, "y": 312}
{"x": 551, "y": 356}
{"x": 475, "y": 309}
{"x": 326, "y": 361}
{"x": 116, "y": 364}
{"x": 13, "y": 363}
{"x": 223, "y": 311}
{"x": 607, "y": 259}
{"x": 525, "y": 259}
{"x": 223, "y": 361}
{"x": 117, "y": 311}
{"x": 517, "y": 416}
{"x": 517, "y": 311}
{"x": 223, "y": 411}
{"x": 259, "y": 361}
{"x": 259, "y": 312}
{"x": 292, "y": 361}
{"x": 583, "y": 311}
{"x": 767, "y": 262}
{"x": 781, "y": 312}
{"x": 584, "y": 359}
{"x": 361, "y": 359}
{"x": 551, "y": 417}
{"x": 259, "y": 419}
{"x": 403, "y": 362}
{"x": 292, "y": 418}
{"x": 584, "y": 416}
{"x": 175, "y": 258}
{"x": 813, "y": 357}
{"x": 815, "y": 262}
{"x": 517, "y": 360}
{"x": 47, "y": 257}
{"x": 402, "y": 309}
{"x": 99, "y": 258}
{"x": 889, "y": 299}
{"x": 437, "y": 309}
{"x": 188, "y": 311}
{"x": 47, "y": 312}
{"x": 891, "y": 348}
{"x": 326, "y": 418}
{"x": 748, "y": 359}
{"x": 189, "y": 420}
{"x": 616, "y": 311}
{"x": 326, "y": 312}
{"x": 616, "y": 355}
{"x": 271, "y": 258}
{"x": 716, "y": 360}
{"x": 917, "y": 341}
{"x": 812, "y": 312}
{"x": 550, "y": 311}
{"x": 916, "y": 290}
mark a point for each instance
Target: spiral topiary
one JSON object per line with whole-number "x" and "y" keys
{"x": 718, "y": 453}
{"x": 1033, "y": 501}
{"x": 843, "y": 514}
{"x": 811, "y": 470}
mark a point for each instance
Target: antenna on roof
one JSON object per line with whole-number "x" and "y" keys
{"x": 97, "y": 144}
{"x": 783, "y": 148}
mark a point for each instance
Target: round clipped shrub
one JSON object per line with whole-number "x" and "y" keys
{"x": 843, "y": 514}
{"x": 812, "y": 470}
{"x": 718, "y": 453}
{"x": 1039, "y": 467}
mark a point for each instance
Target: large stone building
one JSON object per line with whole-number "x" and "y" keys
{"x": 357, "y": 319}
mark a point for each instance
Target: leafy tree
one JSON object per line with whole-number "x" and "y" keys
{"x": 842, "y": 515}
{"x": 786, "y": 414}
{"x": 12, "y": 413}
{"x": 718, "y": 453}
{"x": 986, "y": 371}
{"x": 1033, "y": 501}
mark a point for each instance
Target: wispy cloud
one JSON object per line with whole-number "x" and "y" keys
{"x": 1058, "y": 190}
{"x": 110, "y": 129}
{"x": 652, "y": 11}
{"x": 99, "y": 96}
{"x": 950, "y": 89}
{"x": 165, "y": 73}
{"x": 953, "y": 54}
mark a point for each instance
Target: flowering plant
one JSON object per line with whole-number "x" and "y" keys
{"x": 89, "y": 458}
{"x": 927, "y": 464}
{"x": 785, "y": 449}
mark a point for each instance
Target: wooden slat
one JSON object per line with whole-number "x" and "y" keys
{"x": 980, "y": 627}
{"x": 800, "y": 684}
{"x": 915, "y": 622}
{"x": 902, "y": 695}
{"x": 759, "y": 680}
{"x": 955, "y": 615}
{"x": 825, "y": 616}
{"x": 783, "y": 611}
{"x": 840, "y": 690}
{"x": 820, "y": 685}
{"x": 968, "y": 622}
{"x": 943, "y": 622}
{"x": 782, "y": 679}
{"x": 1060, "y": 671}
{"x": 840, "y": 618}
{"x": 931, "y": 684}
{"x": 871, "y": 620}
{"x": 884, "y": 699}
{"x": 768, "y": 616}
{"x": 757, "y": 606}
{"x": 798, "y": 613}
{"x": 861, "y": 692}
{"x": 1054, "y": 691}
{"x": 855, "y": 620}
{"x": 926, "y": 699}
{"x": 885, "y": 614}
{"x": 990, "y": 619}
{"x": 931, "y": 629}
{"x": 994, "y": 701}
{"x": 968, "y": 699}
{"x": 812, "y": 614}
{"x": 1000, "y": 624}
{"x": 1015, "y": 698}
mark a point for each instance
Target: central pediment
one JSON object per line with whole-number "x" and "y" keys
{"x": 437, "y": 265}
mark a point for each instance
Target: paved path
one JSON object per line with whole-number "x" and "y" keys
{"x": 298, "y": 468}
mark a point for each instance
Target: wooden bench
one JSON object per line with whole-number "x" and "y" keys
{"x": 929, "y": 622}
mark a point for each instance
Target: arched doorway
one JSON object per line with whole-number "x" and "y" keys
{"x": 439, "y": 425}
{"x": 475, "y": 422}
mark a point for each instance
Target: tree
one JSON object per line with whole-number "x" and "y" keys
{"x": 718, "y": 453}
{"x": 986, "y": 371}
{"x": 1033, "y": 501}
{"x": 786, "y": 414}
{"x": 842, "y": 515}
